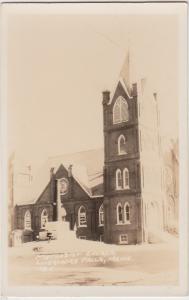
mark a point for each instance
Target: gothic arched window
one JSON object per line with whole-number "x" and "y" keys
{"x": 121, "y": 145}
{"x": 120, "y": 111}
{"x": 119, "y": 214}
{"x": 82, "y": 217}
{"x": 44, "y": 218}
{"x": 126, "y": 178}
{"x": 119, "y": 182}
{"x": 126, "y": 213}
{"x": 27, "y": 220}
{"x": 101, "y": 215}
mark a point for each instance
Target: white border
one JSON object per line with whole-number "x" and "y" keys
{"x": 145, "y": 8}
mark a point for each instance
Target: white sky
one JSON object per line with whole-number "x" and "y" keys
{"x": 58, "y": 65}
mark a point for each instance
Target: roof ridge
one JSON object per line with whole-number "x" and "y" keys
{"x": 72, "y": 153}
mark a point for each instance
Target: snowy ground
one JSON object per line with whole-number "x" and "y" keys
{"x": 94, "y": 263}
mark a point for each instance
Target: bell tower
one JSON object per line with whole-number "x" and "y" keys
{"x": 122, "y": 190}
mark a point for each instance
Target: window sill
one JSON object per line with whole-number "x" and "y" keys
{"x": 119, "y": 188}
{"x": 120, "y": 122}
{"x": 82, "y": 226}
{"x": 123, "y": 189}
{"x": 126, "y": 223}
{"x": 100, "y": 225}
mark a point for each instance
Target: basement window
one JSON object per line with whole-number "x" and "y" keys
{"x": 123, "y": 239}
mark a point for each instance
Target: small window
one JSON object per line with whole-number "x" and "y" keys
{"x": 82, "y": 237}
{"x": 127, "y": 213}
{"x": 126, "y": 178}
{"x": 44, "y": 218}
{"x": 118, "y": 179}
{"x": 119, "y": 214}
{"x": 27, "y": 220}
{"x": 121, "y": 145}
{"x": 82, "y": 217}
{"x": 120, "y": 111}
{"x": 123, "y": 239}
{"x": 101, "y": 215}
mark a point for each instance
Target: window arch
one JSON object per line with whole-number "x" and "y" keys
{"x": 118, "y": 179}
{"x": 126, "y": 178}
{"x": 127, "y": 213}
{"x": 44, "y": 218}
{"x": 63, "y": 186}
{"x": 120, "y": 111}
{"x": 101, "y": 215}
{"x": 27, "y": 220}
{"x": 82, "y": 217}
{"x": 121, "y": 145}
{"x": 119, "y": 214}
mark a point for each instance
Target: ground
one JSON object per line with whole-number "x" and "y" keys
{"x": 94, "y": 263}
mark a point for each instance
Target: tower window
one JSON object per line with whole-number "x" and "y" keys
{"x": 121, "y": 145}
{"x": 118, "y": 179}
{"x": 119, "y": 214}
{"x": 126, "y": 178}
{"x": 126, "y": 213}
{"x": 82, "y": 217}
{"x": 101, "y": 215}
{"x": 44, "y": 218}
{"x": 27, "y": 220}
{"x": 120, "y": 111}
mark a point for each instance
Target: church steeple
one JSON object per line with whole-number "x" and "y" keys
{"x": 125, "y": 73}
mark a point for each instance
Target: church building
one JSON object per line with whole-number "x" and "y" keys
{"x": 119, "y": 200}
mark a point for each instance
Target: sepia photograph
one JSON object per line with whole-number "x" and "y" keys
{"x": 92, "y": 98}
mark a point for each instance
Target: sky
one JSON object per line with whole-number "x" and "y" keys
{"x": 58, "y": 65}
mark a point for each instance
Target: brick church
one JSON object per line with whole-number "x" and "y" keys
{"x": 112, "y": 195}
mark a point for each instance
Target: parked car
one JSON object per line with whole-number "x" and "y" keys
{"x": 46, "y": 234}
{"x": 42, "y": 236}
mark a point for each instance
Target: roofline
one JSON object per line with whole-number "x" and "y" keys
{"x": 125, "y": 88}
{"x": 80, "y": 184}
{"x": 34, "y": 201}
{"x": 73, "y": 153}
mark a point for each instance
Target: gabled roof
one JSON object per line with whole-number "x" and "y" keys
{"x": 123, "y": 78}
{"x": 87, "y": 170}
{"x": 124, "y": 87}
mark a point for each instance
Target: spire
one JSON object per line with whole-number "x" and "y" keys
{"x": 125, "y": 72}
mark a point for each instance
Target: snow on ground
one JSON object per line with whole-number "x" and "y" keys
{"x": 94, "y": 263}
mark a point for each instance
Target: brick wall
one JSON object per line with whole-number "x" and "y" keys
{"x": 114, "y": 161}
{"x": 71, "y": 201}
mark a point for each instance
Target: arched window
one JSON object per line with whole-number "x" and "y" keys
{"x": 44, "y": 218}
{"x": 126, "y": 213}
{"x": 82, "y": 217}
{"x": 126, "y": 178}
{"x": 101, "y": 215}
{"x": 27, "y": 220}
{"x": 120, "y": 111}
{"x": 118, "y": 180}
{"x": 63, "y": 186}
{"x": 119, "y": 214}
{"x": 121, "y": 145}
